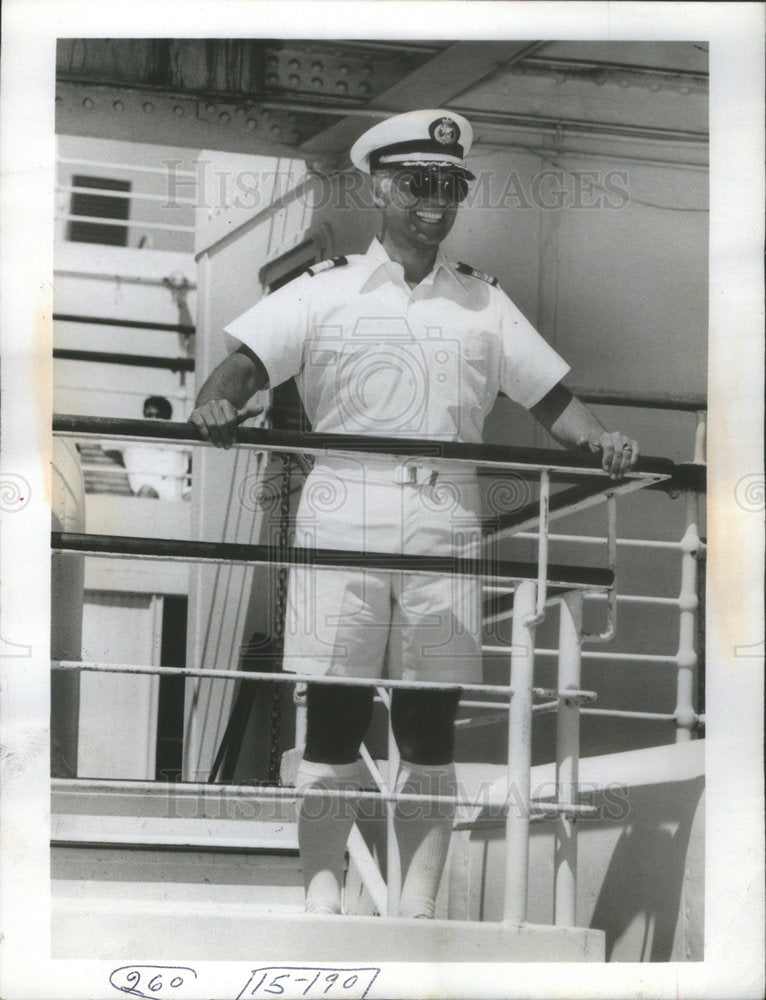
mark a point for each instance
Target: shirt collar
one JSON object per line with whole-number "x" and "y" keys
{"x": 382, "y": 268}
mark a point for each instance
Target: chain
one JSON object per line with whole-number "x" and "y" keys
{"x": 279, "y": 622}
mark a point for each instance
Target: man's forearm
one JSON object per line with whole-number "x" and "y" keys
{"x": 220, "y": 405}
{"x": 573, "y": 425}
{"x": 236, "y": 379}
{"x": 567, "y": 420}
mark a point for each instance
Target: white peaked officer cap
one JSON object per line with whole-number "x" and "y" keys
{"x": 416, "y": 138}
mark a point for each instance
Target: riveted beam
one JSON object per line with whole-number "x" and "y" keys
{"x": 138, "y": 114}
{"x": 433, "y": 84}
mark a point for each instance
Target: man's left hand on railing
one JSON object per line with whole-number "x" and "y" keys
{"x": 573, "y": 425}
{"x": 619, "y": 453}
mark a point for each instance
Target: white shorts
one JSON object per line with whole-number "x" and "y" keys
{"x": 367, "y": 623}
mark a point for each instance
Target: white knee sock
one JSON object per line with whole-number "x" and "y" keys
{"x": 324, "y": 824}
{"x": 423, "y": 833}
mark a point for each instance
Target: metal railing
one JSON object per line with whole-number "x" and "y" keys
{"x": 150, "y": 203}
{"x": 535, "y": 586}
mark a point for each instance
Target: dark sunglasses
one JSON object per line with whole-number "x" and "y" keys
{"x": 434, "y": 182}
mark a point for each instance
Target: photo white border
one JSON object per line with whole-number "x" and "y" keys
{"x": 734, "y": 918}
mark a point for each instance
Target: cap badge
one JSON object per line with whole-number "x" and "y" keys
{"x": 445, "y": 131}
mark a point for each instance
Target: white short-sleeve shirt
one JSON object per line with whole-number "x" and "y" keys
{"x": 372, "y": 356}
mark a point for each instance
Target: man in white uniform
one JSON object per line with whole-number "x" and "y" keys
{"x": 157, "y": 472}
{"x": 395, "y": 342}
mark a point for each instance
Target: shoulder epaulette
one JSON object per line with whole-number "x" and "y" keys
{"x": 481, "y": 275}
{"x": 326, "y": 265}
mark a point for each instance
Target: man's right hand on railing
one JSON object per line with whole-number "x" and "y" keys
{"x": 218, "y": 419}
{"x": 222, "y": 403}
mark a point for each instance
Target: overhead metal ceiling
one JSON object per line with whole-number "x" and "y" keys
{"x": 311, "y": 99}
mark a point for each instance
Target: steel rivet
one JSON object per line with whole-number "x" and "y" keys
{"x": 148, "y": 106}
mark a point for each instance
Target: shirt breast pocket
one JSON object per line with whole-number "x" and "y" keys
{"x": 474, "y": 369}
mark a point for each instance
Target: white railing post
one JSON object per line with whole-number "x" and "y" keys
{"x": 519, "y": 753}
{"x": 567, "y": 760}
{"x": 301, "y": 716}
{"x": 686, "y": 659}
{"x": 393, "y": 863}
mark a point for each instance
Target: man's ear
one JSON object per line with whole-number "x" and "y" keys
{"x": 381, "y": 189}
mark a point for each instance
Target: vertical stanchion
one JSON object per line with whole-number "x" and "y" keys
{"x": 688, "y": 602}
{"x": 393, "y": 866}
{"x": 301, "y": 719}
{"x": 567, "y": 760}
{"x": 519, "y": 753}
{"x": 686, "y": 682}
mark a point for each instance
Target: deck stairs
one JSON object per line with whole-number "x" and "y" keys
{"x": 135, "y": 872}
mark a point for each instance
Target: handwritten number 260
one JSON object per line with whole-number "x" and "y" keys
{"x": 135, "y": 987}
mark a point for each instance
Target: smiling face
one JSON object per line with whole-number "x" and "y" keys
{"x": 410, "y": 221}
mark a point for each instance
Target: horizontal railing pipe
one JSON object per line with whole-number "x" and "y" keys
{"x": 689, "y": 403}
{"x": 539, "y": 806}
{"x": 132, "y": 223}
{"x": 92, "y": 666}
{"x": 525, "y": 459}
{"x": 182, "y": 550}
{"x": 617, "y": 713}
{"x": 130, "y": 324}
{"x": 135, "y": 360}
{"x": 642, "y": 543}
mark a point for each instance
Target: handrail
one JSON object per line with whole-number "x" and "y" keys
{"x": 688, "y": 403}
{"x": 132, "y": 324}
{"x": 235, "y": 552}
{"x": 132, "y": 223}
{"x": 136, "y": 360}
{"x": 558, "y": 461}
{"x": 124, "y": 195}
